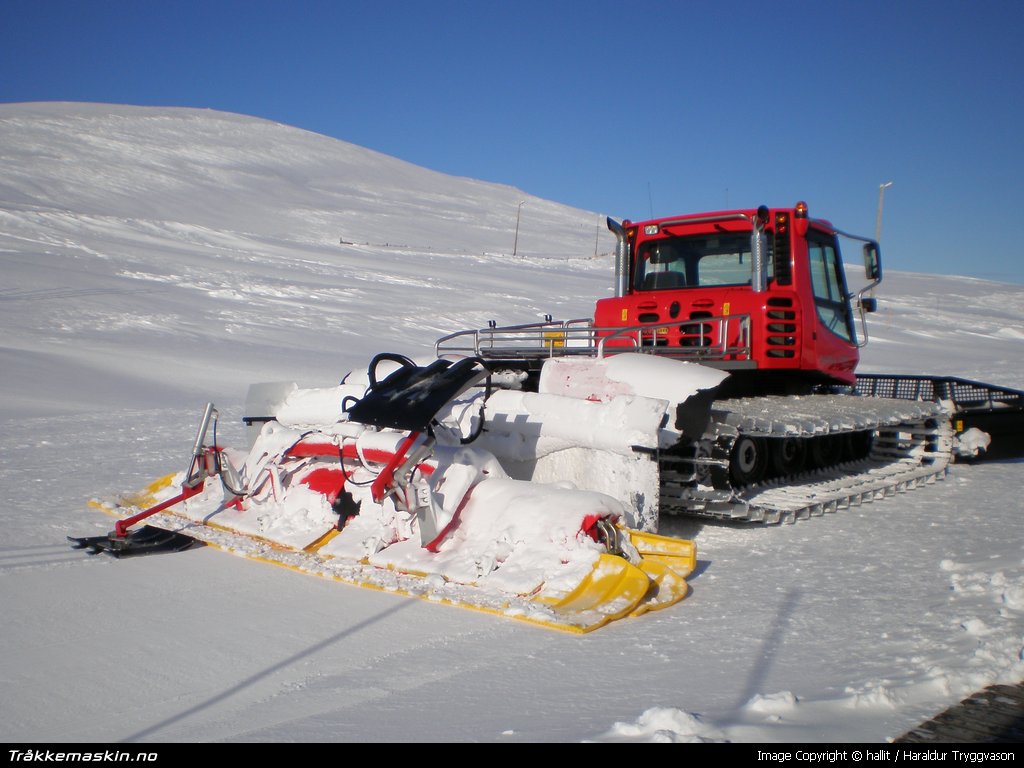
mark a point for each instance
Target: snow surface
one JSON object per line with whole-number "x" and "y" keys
{"x": 157, "y": 258}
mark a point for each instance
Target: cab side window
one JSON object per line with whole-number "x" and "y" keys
{"x": 829, "y": 285}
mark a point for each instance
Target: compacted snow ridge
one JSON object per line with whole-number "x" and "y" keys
{"x": 156, "y": 259}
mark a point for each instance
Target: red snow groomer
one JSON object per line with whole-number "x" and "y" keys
{"x": 763, "y": 294}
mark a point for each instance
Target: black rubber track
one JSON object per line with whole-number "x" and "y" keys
{"x": 992, "y": 716}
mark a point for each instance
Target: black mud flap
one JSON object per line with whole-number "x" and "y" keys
{"x": 1005, "y": 428}
{"x": 994, "y": 409}
{"x": 694, "y": 414}
{"x": 148, "y": 540}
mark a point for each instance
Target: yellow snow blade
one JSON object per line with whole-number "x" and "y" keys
{"x": 613, "y": 588}
{"x": 669, "y": 586}
{"x": 678, "y": 554}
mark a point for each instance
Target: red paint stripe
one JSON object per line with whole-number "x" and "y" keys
{"x": 312, "y": 449}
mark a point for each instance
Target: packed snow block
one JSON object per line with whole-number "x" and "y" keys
{"x": 607, "y": 447}
{"x": 317, "y": 407}
{"x": 661, "y": 378}
{"x": 597, "y": 424}
{"x": 687, "y": 389}
{"x": 547, "y": 423}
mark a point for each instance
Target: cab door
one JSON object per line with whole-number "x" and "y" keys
{"x": 834, "y": 337}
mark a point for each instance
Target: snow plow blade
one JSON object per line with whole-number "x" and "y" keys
{"x": 379, "y": 483}
{"x": 614, "y": 588}
{"x": 678, "y": 554}
{"x": 668, "y": 563}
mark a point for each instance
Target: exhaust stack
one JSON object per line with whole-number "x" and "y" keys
{"x": 621, "y": 258}
{"x": 759, "y": 252}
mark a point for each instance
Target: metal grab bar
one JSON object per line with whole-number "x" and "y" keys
{"x": 730, "y": 335}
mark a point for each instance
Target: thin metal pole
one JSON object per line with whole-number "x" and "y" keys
{"x": 519, "y": 210}
{"x": 878, "y": 219}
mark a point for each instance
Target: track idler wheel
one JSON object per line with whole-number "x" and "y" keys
{"x": 748, "y": 461}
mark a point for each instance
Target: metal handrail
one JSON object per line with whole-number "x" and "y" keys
{"x": 531, "y": 333}
{"x": 581, "y": 337}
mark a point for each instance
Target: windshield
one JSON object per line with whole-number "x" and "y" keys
{"x": 719, "y": 258}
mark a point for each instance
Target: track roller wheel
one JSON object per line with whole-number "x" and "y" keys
{"x": 857, "y": 445}
{"x": 825, "y": 451}
{"x": 748, "y": 460}
{"x": 787, "y": 455}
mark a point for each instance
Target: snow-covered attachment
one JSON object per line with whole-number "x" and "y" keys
{"x": 603, "y": 424}
{"x": 412, "y": 479}
{"x": 753, "y": 458}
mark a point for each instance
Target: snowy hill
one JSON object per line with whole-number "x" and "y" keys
{"x": 157, "y": 258}
{"x": 144, "y": 234}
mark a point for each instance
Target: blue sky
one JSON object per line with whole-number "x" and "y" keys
{"x": 623, "y": 108}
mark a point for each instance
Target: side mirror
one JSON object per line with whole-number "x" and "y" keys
{"x": 869, "y": 304}
{"x": 872, "y": 262}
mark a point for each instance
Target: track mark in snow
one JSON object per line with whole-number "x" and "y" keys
{"x": 47, "y": 556}
{"x": 242, "y": 685}
{"x": 270, "y": 706}
{"x": 49, "y": 294}
{"x": 68, "y": 562}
